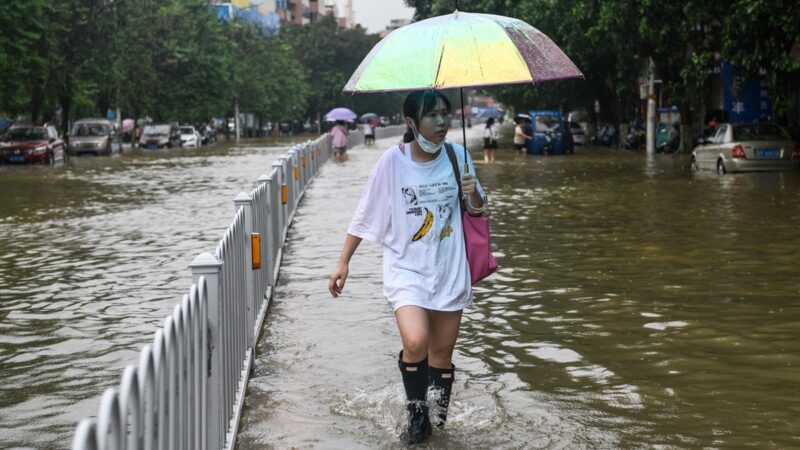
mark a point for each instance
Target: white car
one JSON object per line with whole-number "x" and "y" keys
{"x": 578, "y": 134}
{"x": 189, "y": 137}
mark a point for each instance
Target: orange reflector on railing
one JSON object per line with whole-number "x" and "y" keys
{"x": 283, "y": 193}
{"x": 256, "y": 248}
{"x": 304, "y": 161}
{"x": 296, "y": 173}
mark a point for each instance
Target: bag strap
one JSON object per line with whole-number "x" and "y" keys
{"x": 451, "y": 154}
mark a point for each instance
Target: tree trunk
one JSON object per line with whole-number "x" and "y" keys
{"x": 591, "y": 123}
{"x": 66, "y": 109}
{"x": 686, "y": 126}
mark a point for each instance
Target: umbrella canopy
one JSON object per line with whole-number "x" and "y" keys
{"x": 368, "y": 117}
{"x": 461, "y": 50}
{"x": 127, "y": 125}
{"x": 521, "y": 116}
{"x": 340, "y": 114}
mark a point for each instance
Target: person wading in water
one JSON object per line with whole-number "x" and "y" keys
{"x": 410, "y": 206}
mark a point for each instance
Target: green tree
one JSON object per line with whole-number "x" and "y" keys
{"x": 267, "y": 79}
{"x": 759, "y": 35}
{"x": 329, "y": 56}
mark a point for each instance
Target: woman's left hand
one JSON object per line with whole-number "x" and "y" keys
{"x": 468, "y": 184}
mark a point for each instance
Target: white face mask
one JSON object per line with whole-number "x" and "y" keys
{"x": 426, "y": 145}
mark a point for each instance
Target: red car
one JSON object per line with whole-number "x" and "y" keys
{"x": 32, "y": 144}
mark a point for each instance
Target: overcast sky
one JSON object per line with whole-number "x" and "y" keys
{"x": 374, "y": 15}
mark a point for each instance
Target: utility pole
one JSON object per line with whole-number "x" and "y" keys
{"x": 651, "y": 113}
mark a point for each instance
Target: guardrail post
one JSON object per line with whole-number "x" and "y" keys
{"x": 281, "y": 210}
{"x": 294, "y": 164}
{"x": 244, "y": 201}
{"x": 207, "y": 266}
{"x": 268, "y": 257}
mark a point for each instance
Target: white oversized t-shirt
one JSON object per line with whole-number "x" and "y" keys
{"x": 412, "y": 210}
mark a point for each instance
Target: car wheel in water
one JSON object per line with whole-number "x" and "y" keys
{"x": 721, "y": 168}
{"x": 694, "y": 166}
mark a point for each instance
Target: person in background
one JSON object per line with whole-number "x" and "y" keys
{"x": 369, "y": 134}
{"x": 490, "y": 135}
{"x": 339, "y": 140}
{"x": 521, "y": 137}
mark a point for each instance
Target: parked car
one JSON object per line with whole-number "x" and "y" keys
{"x": 95, "y": 136}
{"x": 160, "y": 136}
{"x": 5, "y": 124}
{"x": 747, "y": 147}
{"x": 189, "y": 136}
{"x": 578, "y": 133}
{"x": 31, "y": 144}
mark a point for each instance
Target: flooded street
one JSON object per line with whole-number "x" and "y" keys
{"x": 94, "y": 256}
{"x": 637, "y": 304}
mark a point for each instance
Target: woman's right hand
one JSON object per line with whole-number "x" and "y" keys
{"x": 338, "y": 277}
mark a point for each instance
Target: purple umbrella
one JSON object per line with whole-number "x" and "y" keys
{"x": 340, "y": 114}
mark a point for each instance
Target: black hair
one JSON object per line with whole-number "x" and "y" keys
{"x": 340, "y": 122}
{"x": 418, "y": 104}
{"x": 490, "y": 122}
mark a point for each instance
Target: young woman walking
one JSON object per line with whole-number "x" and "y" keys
{"x": 410, "y": 206}
{"x": 339, "y": 142}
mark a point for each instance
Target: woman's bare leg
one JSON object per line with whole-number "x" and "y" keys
{"x": 414, "y": 325}
{"x": 444, "y": 327}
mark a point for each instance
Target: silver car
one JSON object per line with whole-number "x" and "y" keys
{"x": 747, "y": 147}
{"x": 97, "y": 136}
{"x": 578, "y": 135}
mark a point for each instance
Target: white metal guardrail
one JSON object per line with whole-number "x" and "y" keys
{"x": 187, "y": 390}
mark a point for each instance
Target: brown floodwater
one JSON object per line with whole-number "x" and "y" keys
{"x": 93, "y": 257}
{"x": 637, "y": 305}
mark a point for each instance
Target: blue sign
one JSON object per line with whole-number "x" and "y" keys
{"x": 111, "y": 115}
{"x": 744, "y": 99}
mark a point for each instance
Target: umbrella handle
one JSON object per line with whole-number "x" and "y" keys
{"x": 463, "y": 130}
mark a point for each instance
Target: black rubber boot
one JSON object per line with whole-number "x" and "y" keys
{"x": 441, "y": 382}
{"x": 415, "y": 381}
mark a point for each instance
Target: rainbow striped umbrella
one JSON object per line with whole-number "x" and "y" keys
{"x": 461, "y": 50}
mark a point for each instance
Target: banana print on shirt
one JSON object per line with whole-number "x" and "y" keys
{"x": 432, "y": 203}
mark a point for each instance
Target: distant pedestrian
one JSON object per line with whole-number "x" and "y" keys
{"x": 411, "y": 207}
{"x": 369, "y": 134}
{"x": 339, "y": 135}
{"x": 490, "y": 136}
{"x": 520, "y": 136}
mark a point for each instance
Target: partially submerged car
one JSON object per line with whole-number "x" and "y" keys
{"x": 160, "y": 136}
{"x": 747, "y": 147}
{"x": 189, "y": 136}
{"x": 94, "y": 136}
{"x": 31, "y": 144}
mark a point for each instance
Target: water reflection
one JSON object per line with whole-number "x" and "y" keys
{"x": 637, "y": 304}
{"x": 94, "y": 257}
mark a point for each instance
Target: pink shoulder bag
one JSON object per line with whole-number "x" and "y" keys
{"x": 476, "y": 233}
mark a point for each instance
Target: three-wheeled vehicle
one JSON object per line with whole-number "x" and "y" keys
{"x": 548, "y": 134}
